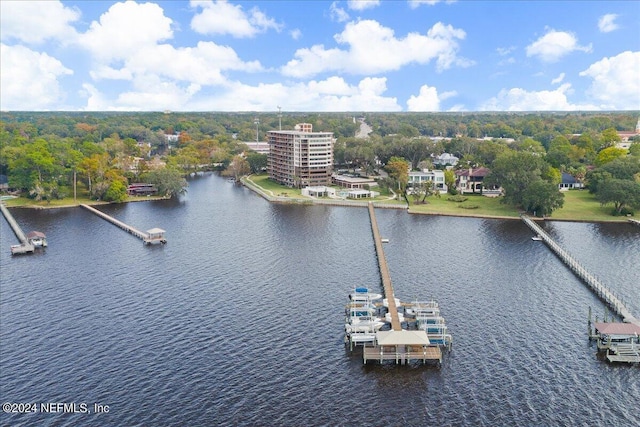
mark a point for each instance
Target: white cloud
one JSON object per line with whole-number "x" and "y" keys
{"x": 517, "y": 99}
{"x": 34, "y": 22}
{"x": 554, "y": 45}
{"x": 331, "y": 94}
{"x": 220, "y": 17}
{"x": 428, "y": 99}
{"x": 413, "y": 4}
{"x": 558, "y": 79}
{"x": 607, "y": 23}
{"x": 373, "y": 49}
{"x": 362, "y": 4}
{"x": 29, "y": 79}
{"x": 295, "y": 33}
{"x": 138, "y": 54}
{"x": 126, "y": 29}
{"x": 337, "y": 13}
{"x": 616, "y": 81}
{"x": 504, "y": 51}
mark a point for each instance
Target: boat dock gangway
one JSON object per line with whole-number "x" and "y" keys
{"x": 24, "y": 246}
{"x": 155, "y": 235}
{"x": 591, "y": 281}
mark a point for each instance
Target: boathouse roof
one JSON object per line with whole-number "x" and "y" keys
{"x": 402, "y": 337}
{"x": 155, "y": 231}
{"x": 35, "y": 234}
{"x": 617, "y": 328}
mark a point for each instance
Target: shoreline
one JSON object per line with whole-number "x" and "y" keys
{"x": 248, "y": 183}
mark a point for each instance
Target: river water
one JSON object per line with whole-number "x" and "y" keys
{"x": 239, "y": 319}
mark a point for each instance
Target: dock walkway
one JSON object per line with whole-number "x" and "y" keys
{"x": 384, "y": 272}
{"x": 594, "y": 284}
{"x": 155, "y": 235}
{"x": 24, "y": 246}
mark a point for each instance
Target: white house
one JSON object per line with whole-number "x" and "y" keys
{"x": 426, "y": 175}
{"x": 445, "y": 159}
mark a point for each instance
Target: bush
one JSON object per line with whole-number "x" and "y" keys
{"x": 469, "y": 206}
{"x": 457, "y": 198}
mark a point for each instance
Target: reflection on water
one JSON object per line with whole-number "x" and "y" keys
{"x": 238, "y": 320}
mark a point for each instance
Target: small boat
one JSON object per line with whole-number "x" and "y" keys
{"x": 363, "y": 324}
{"x": 536, "y": 238}
{"x": 363, "y": 295}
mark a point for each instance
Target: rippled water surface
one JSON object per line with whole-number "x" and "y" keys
{"x": 238, "y": 320}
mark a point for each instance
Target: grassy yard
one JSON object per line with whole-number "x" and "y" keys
{"x": 580, "y": 205}
{"x": 275, "y": 189}
{"x": 486, "y": 206}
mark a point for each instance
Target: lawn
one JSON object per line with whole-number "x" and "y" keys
{"x": 580, "y": 205}
{"x": 275, "y": 189}
{"x": 486, "y": 206}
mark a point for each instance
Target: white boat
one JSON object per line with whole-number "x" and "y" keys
{"x": 536, "y": 238}
{"x": 363, "y": 324}
{"x": 363, "y": 295}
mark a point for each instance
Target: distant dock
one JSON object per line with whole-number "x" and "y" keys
{"x": 25, "y": 246}
{"x": 153, "y": 236}
{"x": 594, "y": 284}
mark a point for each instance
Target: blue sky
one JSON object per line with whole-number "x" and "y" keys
{"x": 366, "y": 55}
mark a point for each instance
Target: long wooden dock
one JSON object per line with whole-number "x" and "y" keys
{"x": 24, "y": 246}
{"x": 155, "y": 235}
{"x": 384, "y": 271}
{"x": 593, "y": 283}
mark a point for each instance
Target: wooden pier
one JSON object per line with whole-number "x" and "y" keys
{"x": 594, "y": 284}
{"x": 24, "y": 246}
{"x": 155, "y": 235}
{"x": 398, "y": 345}
{"x": 384, "y": 272}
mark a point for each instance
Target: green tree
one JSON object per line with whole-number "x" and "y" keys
{"x": 257, "y": 162}
{"x": 620, "y": 192}
{"x": 238, "y": 167}
{"x": 609, "y": 154}
{"x": 116, "y": 192}
{"x": 398, "y": 169}
{"x": 542, "y": 198}
{"x": 610, "y": 137}
{"x": 514, "y": 171}
{"x": 168, "y": 181}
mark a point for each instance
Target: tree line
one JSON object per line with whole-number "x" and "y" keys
{"x": 45, "y": 154}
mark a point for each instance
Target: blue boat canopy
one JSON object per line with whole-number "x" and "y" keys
{"x": 365, "y": 290}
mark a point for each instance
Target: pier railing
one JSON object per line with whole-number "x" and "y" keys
{"x": 139, "y": 234}
{"x": 384, "y": 272}
{"x": 591, "y": 281}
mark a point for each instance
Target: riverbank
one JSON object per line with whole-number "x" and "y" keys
{"x": 579, "y": 206}
{"x": 23, "y": 202}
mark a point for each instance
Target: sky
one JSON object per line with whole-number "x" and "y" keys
{"x": 315, "y": 56}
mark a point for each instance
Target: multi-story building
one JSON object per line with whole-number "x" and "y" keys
{"x": 300, "y": 158}
{"x": 435, "y": 176}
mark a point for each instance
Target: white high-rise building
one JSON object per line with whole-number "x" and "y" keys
{"x": 300, "y": 157}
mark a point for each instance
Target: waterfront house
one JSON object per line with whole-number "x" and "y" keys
{"x": 472, "y": 181}
{"x": 445, "y": 159}
{"x": 569, "y": 182}
{"x": 426, "y": 175}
